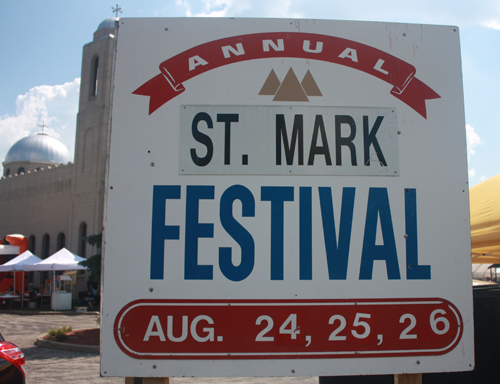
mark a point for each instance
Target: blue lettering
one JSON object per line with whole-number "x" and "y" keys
{"x": 305, "y": 233}
{"x": 337, "y": 256}
{"x": 277, "y": 196}
{"x": 413, "y": 270}
{"x": 337, "y": 245}
{"x": 237, "y": 232}
{"x": 378, "y": 206}
{"x": 196, "y": 230}
{"x": 159, "y": 231}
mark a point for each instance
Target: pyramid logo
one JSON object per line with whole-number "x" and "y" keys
{"x": 290, "y": 89}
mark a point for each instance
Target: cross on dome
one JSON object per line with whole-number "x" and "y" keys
{"x": 43, "y": 126}
{"x": 117, "y": 10}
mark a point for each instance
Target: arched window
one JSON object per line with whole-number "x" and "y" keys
{"x": 45, "y": 246}
{"x": 88, "y": 151}
{"x": 82, "y": 239}
{"x": 61, "y": 241}
{"x": 95, "y": 76}
{"x": 32, "y": 249}
{"x": 45, "y": 253}
{"x": 32, "y": 244}
{"x": 7, "y": 173}
{"x": 20, "y": 170}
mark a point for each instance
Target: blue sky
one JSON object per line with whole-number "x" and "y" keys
{"x": 41, "y": 47}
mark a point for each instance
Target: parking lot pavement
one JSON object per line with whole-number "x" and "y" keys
{"x": 46, "y": 366}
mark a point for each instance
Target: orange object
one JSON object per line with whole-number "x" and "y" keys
{"x": 5, "y": 282}
{"x": 18, "y": 240}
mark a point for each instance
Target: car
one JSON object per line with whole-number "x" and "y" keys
{"x": 11, "y": 363}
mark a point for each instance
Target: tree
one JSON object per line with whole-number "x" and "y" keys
{"x": 93, "y": 263}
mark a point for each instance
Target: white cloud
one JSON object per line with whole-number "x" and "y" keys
{"x": 282, "y": 8}
{"x": 241, "y": 8}
{"x": 205, "y": 8}
{"x": 447, "y": 12}
{"x": 494, "y": 24}
{"x": 473, "y": 140}
{"x": 54, "y": 105}
{"x": 215, "y": 8}
{"x": 186, "y": 5}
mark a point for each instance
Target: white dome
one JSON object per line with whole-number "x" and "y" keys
{"x": 38, "y": 148}
{"x": 109, "y": 23}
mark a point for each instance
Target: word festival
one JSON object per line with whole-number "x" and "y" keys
{"x": 278, "y": 198}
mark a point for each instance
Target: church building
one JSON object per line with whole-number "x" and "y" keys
{"x": 53, "y": 202}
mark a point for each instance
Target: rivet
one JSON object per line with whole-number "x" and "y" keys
{"x": 151, "y": 289}
{"x": 152, "y": 164}
{"x": 154, "y": 366}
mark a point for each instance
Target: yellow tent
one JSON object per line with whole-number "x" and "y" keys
{"x": 485, "y": 221}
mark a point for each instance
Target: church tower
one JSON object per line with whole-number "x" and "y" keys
{"x": 92, "y": 134}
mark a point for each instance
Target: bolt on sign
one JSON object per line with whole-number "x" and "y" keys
{"x": 286, "y": 198}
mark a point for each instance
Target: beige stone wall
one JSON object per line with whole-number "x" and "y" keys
{"x": 37, "y": 203}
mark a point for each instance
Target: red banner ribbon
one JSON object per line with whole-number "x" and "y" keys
{"x": 214, "y": 54}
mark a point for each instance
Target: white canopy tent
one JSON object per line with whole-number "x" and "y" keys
{"x": 62, "y": 260}
{"x": 18, "y": 264}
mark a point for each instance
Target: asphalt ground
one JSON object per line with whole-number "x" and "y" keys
{"x": 45, "y": 366}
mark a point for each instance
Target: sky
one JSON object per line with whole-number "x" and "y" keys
{"x": 41, "y": 49}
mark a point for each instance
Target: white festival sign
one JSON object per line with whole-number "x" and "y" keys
{"x": 286, "y": 198}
